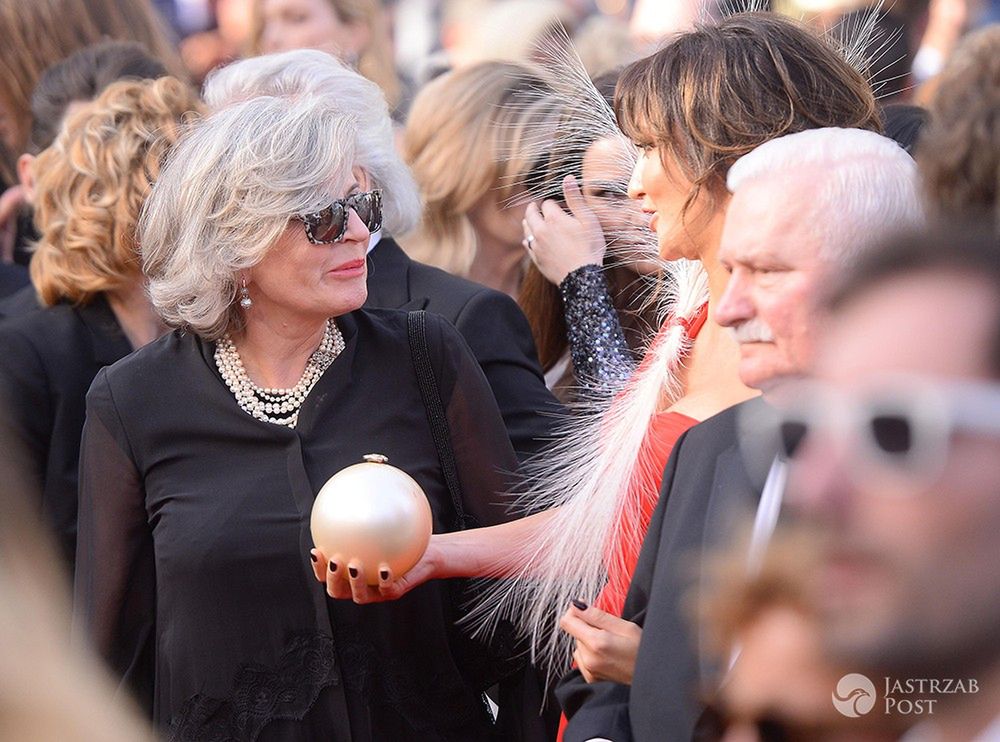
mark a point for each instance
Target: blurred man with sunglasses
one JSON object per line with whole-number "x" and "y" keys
{"x": 896, "y": 460}
{"x": 802, "y": 206}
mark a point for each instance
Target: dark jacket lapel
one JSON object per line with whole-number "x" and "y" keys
{"x": 389, "y": 278}
{"x": 740, "y": 473}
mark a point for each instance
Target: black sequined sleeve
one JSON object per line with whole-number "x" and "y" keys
{"x": 596, "y": 341}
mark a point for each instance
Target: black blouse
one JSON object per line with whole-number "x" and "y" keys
{"x": 193, "y": 570}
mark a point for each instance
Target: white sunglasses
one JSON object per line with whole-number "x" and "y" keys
{"x": 902, "y": 425}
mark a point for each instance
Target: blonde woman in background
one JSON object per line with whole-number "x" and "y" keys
{"x": 89, "y": 187}
{"x": 487, "y": 34}
{"x": 354, "y": 31}
{"x": 959, "y": 150}
{"x": 468, "y": 141}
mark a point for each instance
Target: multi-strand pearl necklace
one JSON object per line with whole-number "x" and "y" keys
{"x": 280, "y": 406}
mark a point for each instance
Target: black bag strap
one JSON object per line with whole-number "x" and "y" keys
{"x": 488, "y": 664}
{"x": 416, "y": 323}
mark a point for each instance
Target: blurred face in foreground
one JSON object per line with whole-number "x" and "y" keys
{"x": 779, "y": 687}
{"x": 898, "y": 467}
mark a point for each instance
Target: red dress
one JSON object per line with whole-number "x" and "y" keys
{"x": 664, "y": 430}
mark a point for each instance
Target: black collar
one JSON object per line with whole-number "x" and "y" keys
{"x": 107, "y": 339}
{"x": 388, "y": 276}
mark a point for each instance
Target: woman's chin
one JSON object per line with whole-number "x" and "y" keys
{"x": 676, "y": 247}
{"x": 670, "y": 253}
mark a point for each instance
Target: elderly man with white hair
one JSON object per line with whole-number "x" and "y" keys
{"x": 803, "y": 206}
{"x": 489, "y": 321}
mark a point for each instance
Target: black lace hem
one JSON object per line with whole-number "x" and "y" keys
{"x": 429, "y": 701}
{"x": 260, "y": 695}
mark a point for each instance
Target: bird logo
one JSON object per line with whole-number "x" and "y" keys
{"x": 855, "y": 695}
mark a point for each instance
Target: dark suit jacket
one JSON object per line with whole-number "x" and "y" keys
{"x": 48, "y": 359}
{"x": 20, "y": 302}
{"x": 710, "y": 486}
{"x": 493, "y": 326}
{"x": 12, "y": 278}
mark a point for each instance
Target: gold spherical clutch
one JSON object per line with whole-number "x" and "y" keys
{"x": 373, "y": 515}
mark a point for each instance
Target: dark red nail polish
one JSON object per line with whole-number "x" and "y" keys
{"x": 333, "y": 567}
{"x": 353, "y": 571}
{"x": 384, "y": 574}
{"x": 580, "y": 605}
{"x": 314, "y": 558}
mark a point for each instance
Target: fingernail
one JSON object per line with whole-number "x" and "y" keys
{"x": 384, "y": 574}
{"x": 580, "y": 605}
{"x": 353, "y": 571}
{"x": 333, "y": 567}
{"x": 314, "y": 558}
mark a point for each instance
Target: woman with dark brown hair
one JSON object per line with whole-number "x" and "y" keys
{"x": 710, "y": 96}
{"x": 589, "y": 293}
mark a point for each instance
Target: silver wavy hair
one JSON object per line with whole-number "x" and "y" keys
{"x": 307, "y": 72}
{"x": 226, "y": 194}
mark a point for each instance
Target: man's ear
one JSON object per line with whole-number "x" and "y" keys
{"x": 26, "y": 175}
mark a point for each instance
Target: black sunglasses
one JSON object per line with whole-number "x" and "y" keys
{"x": 330, "y": 224}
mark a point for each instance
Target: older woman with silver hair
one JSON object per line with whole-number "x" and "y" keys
{"x": 490, "y": 322}
{"x": 202, "y": 453}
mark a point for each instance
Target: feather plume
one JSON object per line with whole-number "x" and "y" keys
{"x": 585, "y": 478}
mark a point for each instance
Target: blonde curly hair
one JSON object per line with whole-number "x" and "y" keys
{"x": 91, "y": 184}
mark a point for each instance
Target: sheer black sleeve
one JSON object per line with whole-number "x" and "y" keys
{"x": 115, "y": 584}
{"x": 596, "y": 340}
{"x": 483, "y": 453}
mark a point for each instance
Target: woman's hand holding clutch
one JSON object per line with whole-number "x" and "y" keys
{"x": 348, "y": 581}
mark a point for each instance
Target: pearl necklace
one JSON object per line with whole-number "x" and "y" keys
{"x": 279, "y": 406}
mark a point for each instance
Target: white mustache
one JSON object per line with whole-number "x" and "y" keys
{"x": 753, "y": 331}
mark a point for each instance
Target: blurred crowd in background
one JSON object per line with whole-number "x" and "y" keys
{"x": 403, "y": 44}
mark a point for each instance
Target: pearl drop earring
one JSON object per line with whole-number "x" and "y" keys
{"x": 245, "y": 301}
